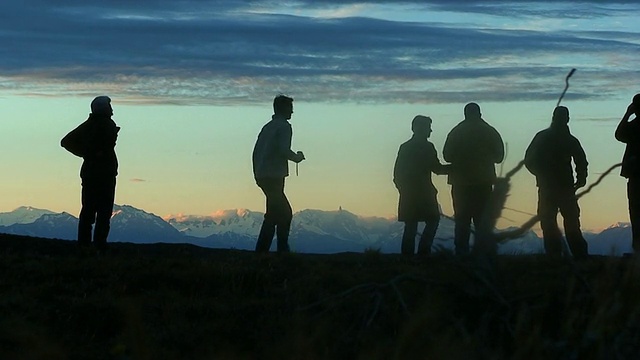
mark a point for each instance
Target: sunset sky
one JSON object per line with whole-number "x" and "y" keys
{"x": 192, "y": 83}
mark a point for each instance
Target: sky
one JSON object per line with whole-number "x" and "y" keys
{"x": 192, "y": 83}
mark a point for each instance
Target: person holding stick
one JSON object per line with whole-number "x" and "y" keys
{"x": 271, "y": 154}
{"x": 628, "y": 132}
{"x": 549, "y": 157}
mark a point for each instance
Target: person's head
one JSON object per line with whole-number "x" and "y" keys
{"x": 283, "y": 105}
{"x": 101, "y": 105}
{"x": 560, "y": 116}
{"x": 472, "y": 111}
{"x": 636, "y": 104}
{"x": 421, "y": 126}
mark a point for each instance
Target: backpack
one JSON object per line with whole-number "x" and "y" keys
{"x": 76, "y": 140}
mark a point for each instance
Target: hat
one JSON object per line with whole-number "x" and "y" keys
{"x": 101, "y": 105}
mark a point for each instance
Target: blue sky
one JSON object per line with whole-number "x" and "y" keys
{"x": 192, "y": 83}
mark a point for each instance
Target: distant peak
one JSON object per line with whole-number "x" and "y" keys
{"x": 620, "y": 224}
{"x": 30, "y": 209}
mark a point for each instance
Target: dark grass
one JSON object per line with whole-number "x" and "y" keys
{"x": 184, "y": 302}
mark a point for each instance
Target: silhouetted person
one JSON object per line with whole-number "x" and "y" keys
{"x": 549, "y": 157}
{"x": 628, "y": 132}
{"x": 271, "y": 154}
{"x": 417, "y": 159}
{"x": 95, "y": 140}
{"x": 473, "y": 147}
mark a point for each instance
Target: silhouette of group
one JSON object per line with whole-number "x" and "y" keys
{"x": 472, "y": 149}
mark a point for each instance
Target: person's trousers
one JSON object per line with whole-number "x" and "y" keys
{"x": 277, "y": 218}
{"x": 469, "y": 203}
{"x": 563, "y": 199}
{"x": 426, "y": 239}
{"x": 98, "y": 196}
{"x": 633, "y": 194}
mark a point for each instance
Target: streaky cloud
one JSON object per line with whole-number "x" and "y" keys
{"x": 224, "y": 52}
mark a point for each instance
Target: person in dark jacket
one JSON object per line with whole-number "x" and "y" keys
{"x": 549, "y": 157}
{"x": 271, "y": 155}
{"x": 95, "y": 141}
{"x": 416, "y": 160}
{"x": 473, "y": 147}
{"x": 628, "y": 132}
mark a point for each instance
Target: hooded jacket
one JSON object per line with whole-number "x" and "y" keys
{"x": 549, "y": 157}
{"x": 99, "y": 136}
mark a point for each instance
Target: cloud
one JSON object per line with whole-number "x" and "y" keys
{"x": 228, "y": 52}
{"x": 136, "y": 180}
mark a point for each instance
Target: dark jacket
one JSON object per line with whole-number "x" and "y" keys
{"x": 629, "y": 133}
{"x": 473, "y": 147}
{"x": 272, "y": 150}
{"x": 549, "y": 157}
{"x": 416, "y": 160}
{"x": 100, "y": 161}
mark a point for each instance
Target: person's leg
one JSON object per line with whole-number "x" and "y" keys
{"x": 428, "y": 234}
{"x": 104, "y": 210}
{"x": 479, "y": 196}
{"x": 633, "y": 194}
{"x": 283, "y": 218}
{"x": 268, "y": 228}
{"x": 462, "y": 218}
{"x": 548, "y": 213}
{"x": 430, "y": 227}
{"x": 408, "y": 245}
{"x": 87, "y": 214}
{"x": 570, "y": 211}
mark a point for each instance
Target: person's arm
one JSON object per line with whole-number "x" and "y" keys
{"x": 400, "y": 169}
{"x": 438, "y": 168}
{"x": 450, "y": 147}
{"x": 498, "y": 147}
{"x": 624, "y": 131}
{"x": 580, "y": 160}
{"x": 531, "y": 157}
{"x": 285, "y": 134}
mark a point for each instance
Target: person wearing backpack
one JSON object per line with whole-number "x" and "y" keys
{"x": 94, "y": 140}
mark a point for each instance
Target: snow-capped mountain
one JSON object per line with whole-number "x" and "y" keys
{"x": 22, "y": 215}
{"x": 614, "y": 240}
{"x": 129, "y": 224}
{"x": 237, "y": 221}
{"x": 52, "y": 225}
{"x": 312, "y": 231}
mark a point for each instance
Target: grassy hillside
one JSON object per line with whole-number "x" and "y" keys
{"x": 184, "y": 302}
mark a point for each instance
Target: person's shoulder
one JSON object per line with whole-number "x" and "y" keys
{"x": 540, "y": 135}
{"x": 485, "y": 124}
{"x": 574, "y": 139}
{"x": 405, "y": 145}
{"x": 281, "y": 124}
{"x": 458, "y": 128}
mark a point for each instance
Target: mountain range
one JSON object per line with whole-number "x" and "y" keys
{"x": 312, "y": 231}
